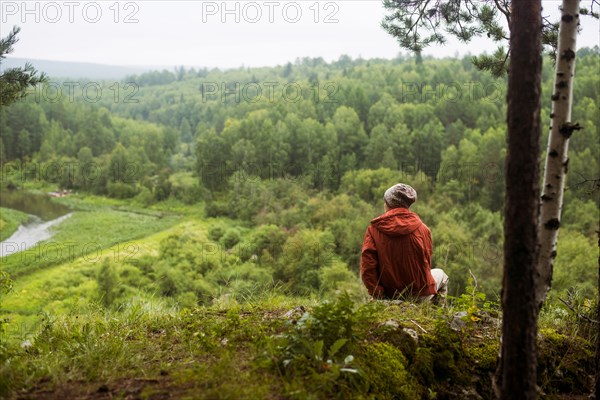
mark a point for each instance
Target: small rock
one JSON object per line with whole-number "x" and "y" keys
{"x": 412, "y": 333}
{"x": 457, "y": 321}
{"x": 391, "y": 323}
{"x": 26, "y": 344}
{"x": 295, "y": 313}
{"x": 493, "y": 321}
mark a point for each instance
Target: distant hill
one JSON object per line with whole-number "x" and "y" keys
{"x": 78, "y": 70}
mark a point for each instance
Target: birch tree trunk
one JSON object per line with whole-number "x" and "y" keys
{"x": 557, "y": 161}
{"x": 521, "y": 208}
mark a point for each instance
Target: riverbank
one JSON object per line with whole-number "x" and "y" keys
{"x": 9, "y": 221}
{"x": 59, "y": 273}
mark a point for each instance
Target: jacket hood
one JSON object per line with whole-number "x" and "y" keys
{"x": 397, "y": 222}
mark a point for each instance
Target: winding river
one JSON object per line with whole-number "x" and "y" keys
{"x": 43, "y": 215}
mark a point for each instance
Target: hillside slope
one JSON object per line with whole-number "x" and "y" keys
{"x": 280, "y": 348}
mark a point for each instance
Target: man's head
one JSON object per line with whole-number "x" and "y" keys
{"x": 400, "y": 195}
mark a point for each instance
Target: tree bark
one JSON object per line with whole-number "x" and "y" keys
{"x": 598, "y": 319}
{"x": 557, "y": 160}
{"x": 521, "y": 210}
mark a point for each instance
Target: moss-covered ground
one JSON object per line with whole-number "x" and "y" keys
{"x": 260, "y": 350}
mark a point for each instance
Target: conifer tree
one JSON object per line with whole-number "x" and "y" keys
{"x": 14, "y": 82}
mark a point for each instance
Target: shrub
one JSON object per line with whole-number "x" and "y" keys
{"x": 144, "y": 197}
{"x": 216, "y": 232}
{"x": 268, "y": 238}
{"x": 230, "y": 238}
{"x": 337, "y": 278}
{"x": 120, "y": 190}
{"x": 108, "y": 283}
{"x": 304, "y": 254}
{"x": 185, "y": 187}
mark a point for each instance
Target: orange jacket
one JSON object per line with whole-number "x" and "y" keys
{"x": 396, "y": 255}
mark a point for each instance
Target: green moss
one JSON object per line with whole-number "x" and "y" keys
{"x": 422, "y": 366}
{"x": 398, "y": 338}
{"x": 565, "y": 363}
{"x": 483, "y": 355}
{"x": 386, "y": 371}
{"x": 449, "y": 360}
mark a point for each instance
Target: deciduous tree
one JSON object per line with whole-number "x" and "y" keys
{"x": 557, "y": 160}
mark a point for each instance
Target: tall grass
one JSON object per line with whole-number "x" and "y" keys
{"x": 9, "y": 221}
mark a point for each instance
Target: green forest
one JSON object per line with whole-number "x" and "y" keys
{"x": 207, "y": 203}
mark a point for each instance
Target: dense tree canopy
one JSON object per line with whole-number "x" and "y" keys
{"x": 314, "y": 152}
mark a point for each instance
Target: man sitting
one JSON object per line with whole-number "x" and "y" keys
{"x": 396, "y": 253}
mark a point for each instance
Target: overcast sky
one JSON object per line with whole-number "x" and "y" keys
{"x": 215, "y": 33}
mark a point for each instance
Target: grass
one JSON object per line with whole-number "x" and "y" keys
{"x": 59, "y": 289}
{"x": 94, "y": 350}
{"x": 233, "y": 351}
{"x": 87, "y": 234}
{"x": 59, "y": 275}
{"x": 9, "y": 221}
{"x": 62, "y": 343}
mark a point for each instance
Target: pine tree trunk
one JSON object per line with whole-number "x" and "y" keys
{"x": 557, "y": 160}
{"x": 598, "y": 319}
{"x": 521, "y": 210}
